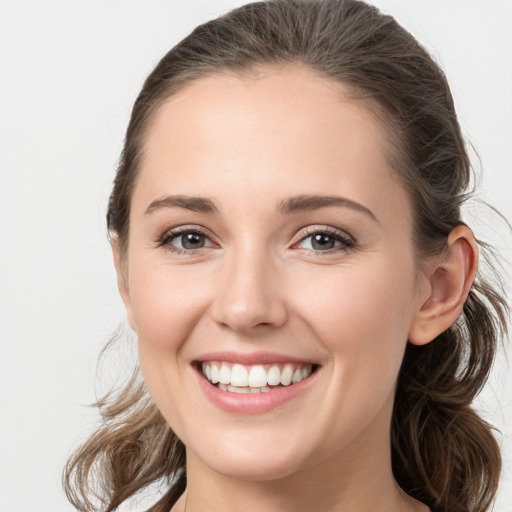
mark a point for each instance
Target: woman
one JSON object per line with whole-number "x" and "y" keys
{"x": 286, "y": 230}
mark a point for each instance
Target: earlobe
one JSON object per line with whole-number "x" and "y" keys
{"x": 122, "y": 279}
{"x": 450, "y": 280}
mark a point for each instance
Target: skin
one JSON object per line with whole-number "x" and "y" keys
{"x": 248, "y": 143}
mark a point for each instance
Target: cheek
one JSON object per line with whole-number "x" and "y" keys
{"x": 165, "y": 305}
{"x": 362, "y": 315}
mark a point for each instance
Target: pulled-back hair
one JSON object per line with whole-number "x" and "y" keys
{"x": 443, "y": 453}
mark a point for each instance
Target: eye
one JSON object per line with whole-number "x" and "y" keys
{"x": 185, "y": 240}
{"x": 325, "y": 240}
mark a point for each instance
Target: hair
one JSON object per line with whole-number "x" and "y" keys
{"x": 443, "y": 453}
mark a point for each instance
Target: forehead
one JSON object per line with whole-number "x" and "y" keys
{"x": 283, "y": 130}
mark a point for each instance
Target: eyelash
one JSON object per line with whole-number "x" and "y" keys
{"x": 345, "y": 241}
{"x": 169, "y": 236}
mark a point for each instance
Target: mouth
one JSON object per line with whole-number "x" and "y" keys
{"x": 256, "y": 378}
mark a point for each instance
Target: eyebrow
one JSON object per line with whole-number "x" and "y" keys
{"x": 291, "y": 205}
{"x": 196, "y": 204}
{"x": 312, "y": 202}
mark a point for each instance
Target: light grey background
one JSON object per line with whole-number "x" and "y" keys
{"x": 69, "y": 73}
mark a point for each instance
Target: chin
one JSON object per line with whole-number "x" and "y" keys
{"x": 259, "y": 470}
{"x": 257, "y": 461}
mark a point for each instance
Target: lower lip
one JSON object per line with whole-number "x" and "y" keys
{"x": 253, "y": 403}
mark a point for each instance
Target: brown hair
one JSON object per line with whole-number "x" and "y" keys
{"x": 443, "y": 453}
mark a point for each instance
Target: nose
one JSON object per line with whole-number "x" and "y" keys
{"x": 249, "y": 298}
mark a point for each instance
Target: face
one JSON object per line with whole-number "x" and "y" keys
{"x": 270, "y": 248}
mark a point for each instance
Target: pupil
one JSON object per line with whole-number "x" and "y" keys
{"x": 192, "y": 240}
{"x": 322, "y": 241}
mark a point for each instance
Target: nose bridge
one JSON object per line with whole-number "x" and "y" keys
{"x": 249, "y": 295}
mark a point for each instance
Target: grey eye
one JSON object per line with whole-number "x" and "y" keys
{"x": 189, "y": 240}
{"x": 320, "y": 242}
{"x": 192, "y": 240}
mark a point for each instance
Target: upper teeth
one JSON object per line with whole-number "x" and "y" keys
{"x": 255, "y": 376}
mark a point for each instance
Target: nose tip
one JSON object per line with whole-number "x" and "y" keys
{"x": 243, "y": 316}
{"x": 249, "y": 299}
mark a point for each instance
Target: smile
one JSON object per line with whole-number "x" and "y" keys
{"x": 259, "y": 378}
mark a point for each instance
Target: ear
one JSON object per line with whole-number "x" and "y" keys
{"x": 450, "y": 279}
{"x": 122, "y": 278}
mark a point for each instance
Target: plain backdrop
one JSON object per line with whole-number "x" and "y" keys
{"x": 69, "y": 73}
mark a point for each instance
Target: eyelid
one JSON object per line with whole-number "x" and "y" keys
{"x": 164, "y": 240}
{"x": 347, "y": 241}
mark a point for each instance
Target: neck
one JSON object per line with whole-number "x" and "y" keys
{"x": 361, "y": 481}
{"x": 302, "y": 492}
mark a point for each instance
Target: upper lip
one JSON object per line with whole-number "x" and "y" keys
{"x": 250, "y": 358}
